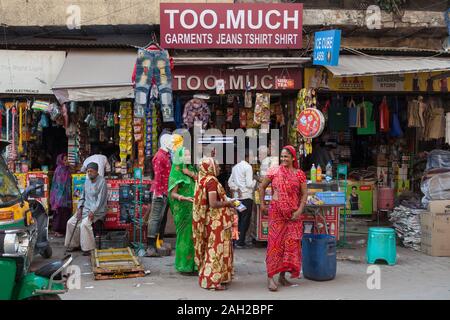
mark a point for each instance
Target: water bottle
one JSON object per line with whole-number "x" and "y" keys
{"x": 313, "y": 173}
{"x": 329, "y": 171}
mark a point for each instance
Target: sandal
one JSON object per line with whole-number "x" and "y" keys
{"x": 272, "y": 285}
{"x": 219, "y": 288}
{"x": 284, "y": 282}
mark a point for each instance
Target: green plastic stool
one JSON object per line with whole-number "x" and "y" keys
{"x": 381, "y": 246}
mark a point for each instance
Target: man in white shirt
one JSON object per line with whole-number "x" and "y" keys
{"x": 99, "y": 159}
{"x": 242, "y": 184}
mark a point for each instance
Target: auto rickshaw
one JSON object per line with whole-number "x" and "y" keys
{"x": 19, "y": 235}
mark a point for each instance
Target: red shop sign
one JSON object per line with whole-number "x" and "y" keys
{"x": 225, "y": 25}
{"x": 283, "y": 83}
{"x": 192, "y": 78}
{"x": 311, "y": 123}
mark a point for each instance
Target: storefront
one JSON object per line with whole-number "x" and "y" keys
{"x": 233, "y": 99}
{"x": 381, "y": 112}
{"x": 25, "y": 88}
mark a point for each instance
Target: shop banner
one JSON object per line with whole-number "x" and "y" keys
{"x": 410, "y": 82}
{"x": 192, "y": 78}
{"x": 227, "y": 26}
{"x": 326, "y": 47}
{"x": 29, "y": 72}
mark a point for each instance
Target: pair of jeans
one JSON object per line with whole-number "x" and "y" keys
{"x": 244, "y": 220}
{"x": 156, "y": 64}
{"x": 158, "y": 217}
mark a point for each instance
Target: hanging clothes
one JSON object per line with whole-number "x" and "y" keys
{"x": 178, "y": 114}
{"x": 396, "y": 130}
{"x": 352, "y": 114}
{"x": 366, "y": 109}
{"x": 338, "y": 115}
{"x": 196, "y": 110}
{"x": 384, "y": 116}
{"x": 413, "y": 114}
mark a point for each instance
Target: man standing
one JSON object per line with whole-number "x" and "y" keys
{"x": 241, "y": 182}
{"x": 100, "y": 160}
{"x": 91, "y": 207}
{"x": 160, "y": 185}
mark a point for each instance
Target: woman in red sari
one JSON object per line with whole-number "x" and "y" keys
{"x": 213, "y": 221}
{"x": 285, "y": 225}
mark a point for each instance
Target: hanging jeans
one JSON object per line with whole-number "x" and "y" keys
{"x": 155, "y": 64}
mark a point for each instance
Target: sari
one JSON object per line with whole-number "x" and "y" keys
{"x": 283, "y": 245}
{"x": 182, "y": 213}
{"x": 212, "y": 230}
{"x": 61, "y": 195}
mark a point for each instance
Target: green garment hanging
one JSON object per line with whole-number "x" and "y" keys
{"x": 370, "y": 129}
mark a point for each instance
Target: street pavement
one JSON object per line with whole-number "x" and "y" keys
{"x": 415, "y": 276}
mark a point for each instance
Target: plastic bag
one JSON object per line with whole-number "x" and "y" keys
{"x": 436, "y": 188}
{"x": 438, "y": 159}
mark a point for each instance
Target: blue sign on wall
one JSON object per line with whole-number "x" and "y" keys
{"x": 326, "y": 47}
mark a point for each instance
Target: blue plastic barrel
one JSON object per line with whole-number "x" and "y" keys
{"x": 319, "y": 257}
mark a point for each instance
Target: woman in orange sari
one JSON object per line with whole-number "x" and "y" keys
{"x": 213, "y": 221}
{"x": 285, "y": 225}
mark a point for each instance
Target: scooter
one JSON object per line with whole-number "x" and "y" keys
{"x": 19, "y": 236}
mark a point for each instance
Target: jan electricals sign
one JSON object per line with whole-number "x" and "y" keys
{"x": 227, "y": 26}
{"x": 326, "y": 47}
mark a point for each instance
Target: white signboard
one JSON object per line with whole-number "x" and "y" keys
{"x": 29, "y": 72}
{"x": 393, "y": 82}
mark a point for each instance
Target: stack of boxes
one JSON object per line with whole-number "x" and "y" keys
{"x": 435, "y": 225}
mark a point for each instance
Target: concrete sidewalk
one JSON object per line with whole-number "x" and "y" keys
{"x": 416, "y": 276}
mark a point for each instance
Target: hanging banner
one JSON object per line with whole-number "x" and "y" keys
{"x": 326, "y": 47}
{"x": 231, "y": 25}
{"x": 410, "y": 82}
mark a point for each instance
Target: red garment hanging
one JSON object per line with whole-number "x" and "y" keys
{"x": 384, "y": 116}
{"x": 151, "y": 47}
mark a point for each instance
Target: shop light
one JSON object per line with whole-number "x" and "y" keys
{"x": 264, "y": 66}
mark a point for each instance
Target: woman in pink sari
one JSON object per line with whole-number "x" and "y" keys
{"x": 285, "y": 225}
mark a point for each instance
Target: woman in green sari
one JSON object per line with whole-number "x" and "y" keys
{"x": 181, "y": 193}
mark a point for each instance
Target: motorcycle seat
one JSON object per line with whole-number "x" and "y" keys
{"x": 47, "y": 270}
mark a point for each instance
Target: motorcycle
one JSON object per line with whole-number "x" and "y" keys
{"x": 20, "y": 226}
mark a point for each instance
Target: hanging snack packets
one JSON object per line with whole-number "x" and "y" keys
{"x": 262, "y": 108}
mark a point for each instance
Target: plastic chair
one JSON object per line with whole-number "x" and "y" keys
{"x": 381, "y": 245}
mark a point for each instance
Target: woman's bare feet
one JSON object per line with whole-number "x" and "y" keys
{"x": 283, "y": 281}
{"x": 272, "y": 285}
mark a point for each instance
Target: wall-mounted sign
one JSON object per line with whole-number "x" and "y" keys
{"x": 192, "y": 78}
{"x": 326, "y": 47}
{"x": 29, "y": 72}
{"x": 410, "y": 82}
{"x": 311, "y": 123}
{"x": 224, "y": 25}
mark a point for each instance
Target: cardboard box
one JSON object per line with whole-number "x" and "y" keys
{"x": 438, "y": 206}
{"x": 436, "y": 234}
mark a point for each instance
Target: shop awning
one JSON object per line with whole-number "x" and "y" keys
{"x": 352, "y": 66}
{"x": 93, "y": 75}
{"x": 195, "y": 61}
